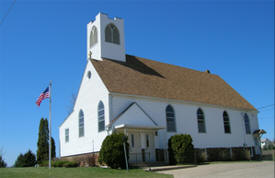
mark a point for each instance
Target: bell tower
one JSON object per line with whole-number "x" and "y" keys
{"x": 105, "y": 38}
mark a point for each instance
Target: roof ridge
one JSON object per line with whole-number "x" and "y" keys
{"x": 174, "y": 65}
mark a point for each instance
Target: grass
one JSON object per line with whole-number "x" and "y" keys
{"x": 76, "y": 173}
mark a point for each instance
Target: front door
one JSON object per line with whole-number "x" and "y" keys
{"x": 142, "y": 148}
{"x": 143, "y": 155}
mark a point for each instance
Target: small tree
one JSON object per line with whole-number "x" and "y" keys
{"x": 43, "y": 142}
{"x": 26, "y": 160}
{"x": 30, "y": 159}
{"x": 2, "y": 162}
{"x": 181, "y": 148}
{"x": 19, "y": 161}
{"x": 112, "y": 151}
{"x": 53, "y": 148}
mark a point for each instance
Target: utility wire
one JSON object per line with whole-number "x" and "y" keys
{"x": 267, "y": 106}
{"x": 7, "y": 13}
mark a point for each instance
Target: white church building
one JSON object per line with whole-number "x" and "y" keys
{"x": 151, "y": 101}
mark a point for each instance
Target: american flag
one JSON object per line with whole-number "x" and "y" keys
{"x": 45, "y": 94}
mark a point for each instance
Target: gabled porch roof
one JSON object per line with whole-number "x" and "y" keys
{"x": 134, "y": 117}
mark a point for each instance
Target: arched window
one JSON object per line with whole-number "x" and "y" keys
{"x": 101, "y": 118}
{"x": 170, "y": 119}
{"x": 112, "y": 34}
{"x": 226, "y": 123}
{"x": 93, "y": 36}
{"x": 247, "y": 124}
{"x": 201, "y": 122}
{"x": 81, "y": 123}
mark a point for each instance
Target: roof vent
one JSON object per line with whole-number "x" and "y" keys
{"x": 208, "y": 71}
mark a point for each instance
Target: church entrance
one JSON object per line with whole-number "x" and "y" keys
{"x": 141, "y": 145}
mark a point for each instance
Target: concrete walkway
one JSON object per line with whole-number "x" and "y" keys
{"x": 164, "y": 168}
{"x": 263, "y": 169}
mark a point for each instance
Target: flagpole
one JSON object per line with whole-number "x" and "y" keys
{"x": 50, "y": 125}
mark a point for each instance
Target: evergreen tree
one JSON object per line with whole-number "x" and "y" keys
{"x": 43, "y": 141}
{"x": 30, "y": 159}
{"x": 19, "y": 161}
{"x": 53, "y": 148}
{"x": 2, "y": 162}
{"x": 26, "y": 160}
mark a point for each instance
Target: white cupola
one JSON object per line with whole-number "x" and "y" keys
{"x": 105, "y": 38}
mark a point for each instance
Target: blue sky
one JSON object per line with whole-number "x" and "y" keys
{"x": 46, "y": 40}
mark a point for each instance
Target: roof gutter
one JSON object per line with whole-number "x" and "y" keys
{"x": 168, "y": 100}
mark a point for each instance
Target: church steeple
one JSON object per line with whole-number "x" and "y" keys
{"x": 105, "y": 38}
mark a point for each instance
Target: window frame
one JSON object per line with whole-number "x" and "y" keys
{"x": 67, "y": 135}
{"x": 112, "y": 29}
{"x": 93, "y": 36}
{"x": 170, "y": 120}
{"x": 226, "y": 123}
{"x": 89, "y": 74}
{"x": 101, "y": 116}
{"x": 201, "y": 121}
{"x": 81, "y": 124}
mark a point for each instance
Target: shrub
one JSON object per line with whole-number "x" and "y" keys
{"x": 59, "y": 163}
{"x": 70, "y": 164}
{"x": 26, "y": 160}
{"x": 112, "y": 151}
{"x": 45, "y": 163}
{"x": 2, "y": 162}
{"x": 181, "y": 149}
{"x": 171, "y": 153}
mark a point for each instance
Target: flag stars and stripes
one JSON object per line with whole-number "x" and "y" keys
{"x": 45, "y": 94}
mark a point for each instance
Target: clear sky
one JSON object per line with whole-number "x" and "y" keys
{"x": 46, "y": 40}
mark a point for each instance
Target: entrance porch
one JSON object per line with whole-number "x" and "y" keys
{"x": 142, "y": 144}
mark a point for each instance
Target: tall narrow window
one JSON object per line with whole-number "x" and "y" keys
{"x": 101, "y": 118}
{"x": 93, "y": 36}
{"x": 112, "y": 34}
{"x": 247, "y": 124}
{"x": 66, "y": 135}
{"x": 201, "y": 122}
{"x": 81, "y": 123}
{"x": 170, "y": 119}
{"x": 147, "y": 141}
{"x": 132, "y": 140}
{"x": 226, "y": 123}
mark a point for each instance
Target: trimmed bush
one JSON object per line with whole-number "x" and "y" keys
{"x": 112, "y": 151}
{"x": 172, "y": 160}
{"x": 181, "y": 149}
{"x": 45, "y": 163}
{"x": 59, "y": 163}
{"x": 69, "y": 164}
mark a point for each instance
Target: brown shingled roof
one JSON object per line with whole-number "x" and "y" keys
{"x": 139, "y": 76}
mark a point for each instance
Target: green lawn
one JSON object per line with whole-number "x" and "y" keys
{"x": 75, "y": 173}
